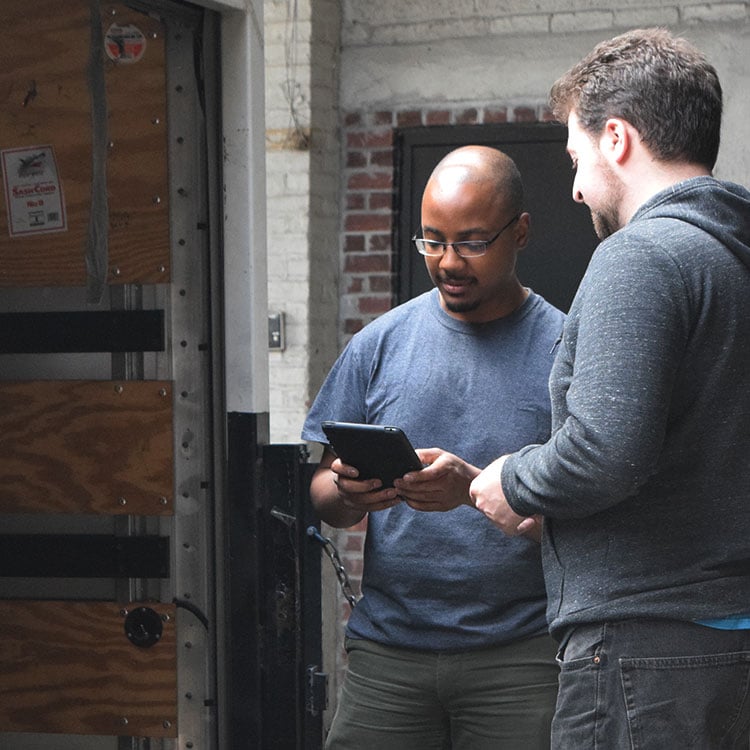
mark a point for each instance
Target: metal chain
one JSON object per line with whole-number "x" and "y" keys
{"x": 338, "y": 566}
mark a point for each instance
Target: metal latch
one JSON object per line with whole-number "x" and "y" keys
{"x": 316, "y": 691}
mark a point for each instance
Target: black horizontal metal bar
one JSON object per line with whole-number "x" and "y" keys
{"x": 82, "y": 331}
{"x": 83, "y": 556}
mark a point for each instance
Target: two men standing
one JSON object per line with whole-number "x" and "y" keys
{"x": 642, "y": 490}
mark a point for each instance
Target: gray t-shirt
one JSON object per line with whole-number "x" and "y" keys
{"x": 447, "y": 581}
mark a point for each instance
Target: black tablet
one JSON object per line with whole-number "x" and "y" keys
{"x": 377, "y": 451}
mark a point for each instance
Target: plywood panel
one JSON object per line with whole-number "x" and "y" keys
{"x": 86, "y": 447}
{"x": 47, "y": 106}
{"x": 137, "y": 179}
{"x": 44, "y": 101}
{"x": 68, "y": 667}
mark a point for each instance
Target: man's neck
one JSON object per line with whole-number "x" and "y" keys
{"x": 651, "y": 178}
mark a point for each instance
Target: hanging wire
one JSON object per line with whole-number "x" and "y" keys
{"x": 291, "y": 87}
{"x": 338, "y": 566}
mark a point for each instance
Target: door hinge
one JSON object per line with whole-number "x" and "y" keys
{"x": 316, "y": 690}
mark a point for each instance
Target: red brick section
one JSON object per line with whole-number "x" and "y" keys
{"x": 368, "y": 260}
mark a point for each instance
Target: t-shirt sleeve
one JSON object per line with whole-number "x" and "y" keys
{"x": 342, "y": 395}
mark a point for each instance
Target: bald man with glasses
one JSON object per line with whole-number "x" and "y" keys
{"x": 448, "y": 645}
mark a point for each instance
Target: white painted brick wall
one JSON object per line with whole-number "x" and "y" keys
{"x": 512, "y": 54}
{"x": 715, "y": 12}
{"x": 368, "y": 22}
{"x": 302, "y": 202}
{"x": 630, "y": 18}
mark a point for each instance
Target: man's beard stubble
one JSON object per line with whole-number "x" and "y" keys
{"x": 606, "y": 220}
{"x": 604, "y": 224}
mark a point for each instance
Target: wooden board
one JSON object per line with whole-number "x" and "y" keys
{"x": 100, "y": 447}
{"x": 137, "y": 176}
{"x": 68, "y": 667}
{"x": 46, "y": 101}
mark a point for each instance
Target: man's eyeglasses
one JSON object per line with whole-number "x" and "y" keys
{"x": 466, "y": 249}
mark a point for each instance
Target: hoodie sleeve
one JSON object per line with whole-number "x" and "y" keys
{"x": 611, "y": 385}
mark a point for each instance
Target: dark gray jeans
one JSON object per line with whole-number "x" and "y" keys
{"x": 653, "y": 685}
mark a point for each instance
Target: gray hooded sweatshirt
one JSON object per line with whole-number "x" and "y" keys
{"x": 645, "y": 482}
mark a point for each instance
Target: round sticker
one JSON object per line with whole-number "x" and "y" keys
{"x": 125, "y": 44}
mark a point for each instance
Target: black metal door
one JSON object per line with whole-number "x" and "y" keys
{"x": 276, "y": 690}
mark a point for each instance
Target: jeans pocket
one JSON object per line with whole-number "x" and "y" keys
{"x": 579, "y": 696}
{"x": 687, "y": 702}
{"x": 582, "y": 647}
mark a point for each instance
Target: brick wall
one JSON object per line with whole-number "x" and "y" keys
{"x": 378, "y": 22}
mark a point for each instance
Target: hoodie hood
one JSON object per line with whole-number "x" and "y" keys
{"x": 720, "y": 208}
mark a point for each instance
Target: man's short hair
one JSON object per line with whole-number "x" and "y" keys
{"x": 661, "y": 84}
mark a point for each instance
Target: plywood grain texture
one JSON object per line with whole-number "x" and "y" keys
{"x": 137, "y": 175}
{"x": 68, "y": 667}
{"x": 47, "y": 99}
{"x": 44, "y": 100}
{"x": 86, "y": 447}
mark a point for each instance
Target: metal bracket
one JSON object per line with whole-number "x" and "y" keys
{"x": 316, "y": 690}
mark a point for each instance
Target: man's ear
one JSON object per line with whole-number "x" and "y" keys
{"x": 522, "y": 230}
{"x": 616, "y": 140}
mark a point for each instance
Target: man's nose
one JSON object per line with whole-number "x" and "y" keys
{"x": 577, "y": 194}
{"x": 451, "y": 258}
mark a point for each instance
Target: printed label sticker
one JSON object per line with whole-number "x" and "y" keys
{"x": 124, "y": 44}
{"x": 33, "y": 191}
